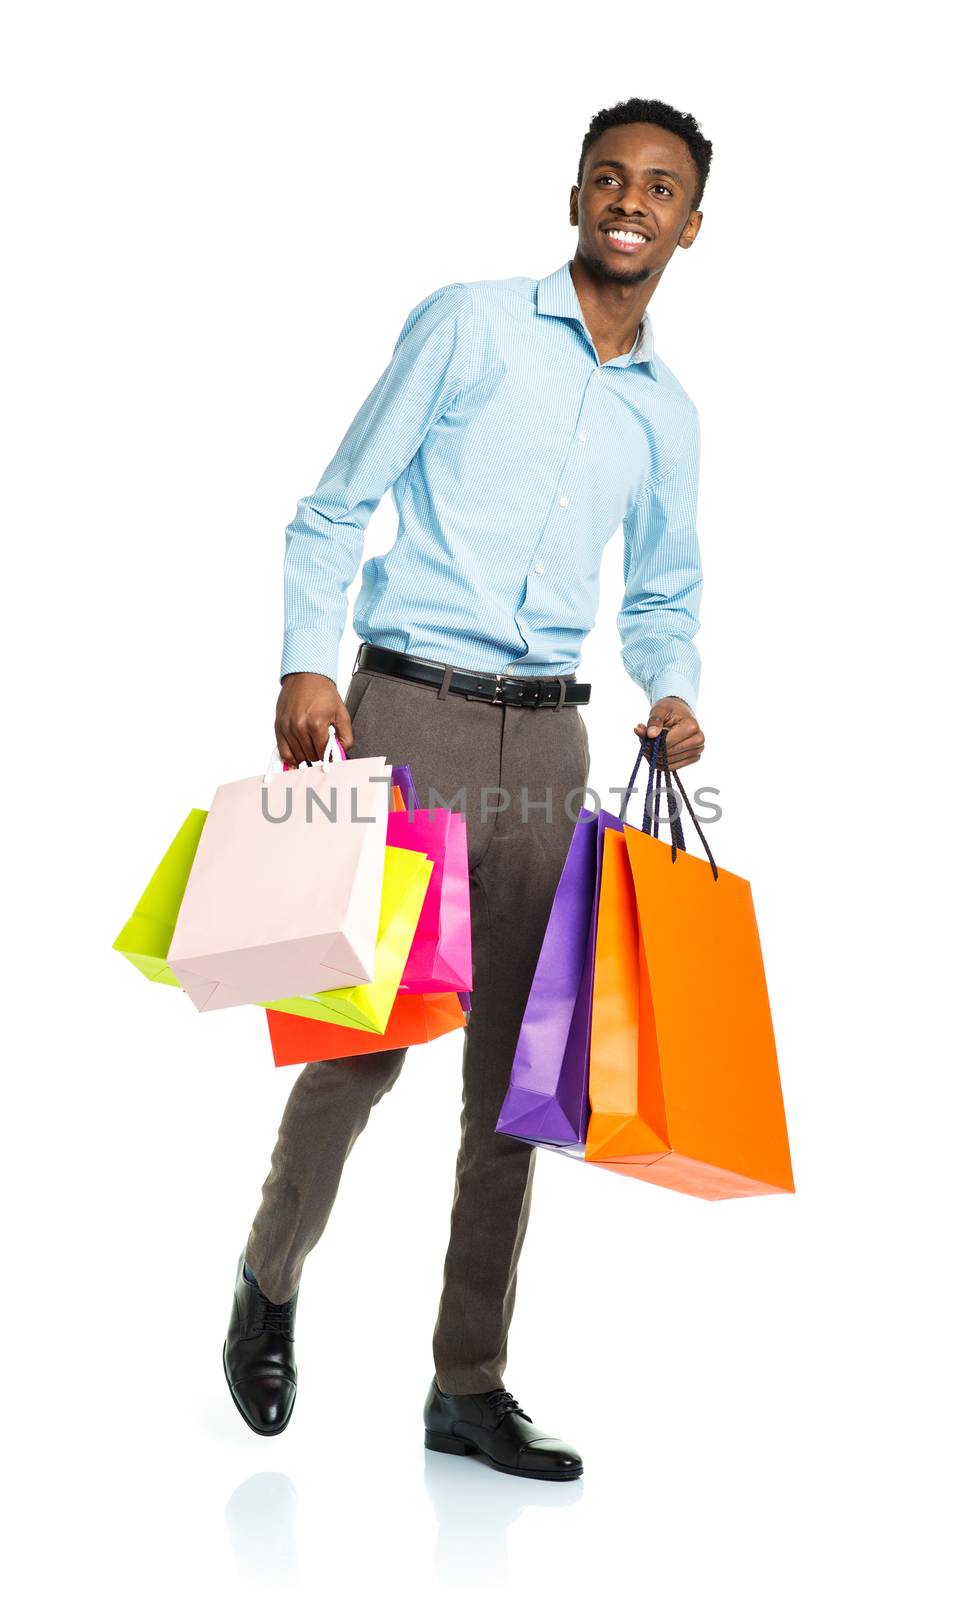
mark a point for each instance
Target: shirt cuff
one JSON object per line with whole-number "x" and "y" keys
{"x": 309, "y": 650}
{"x": 667, "y": 683}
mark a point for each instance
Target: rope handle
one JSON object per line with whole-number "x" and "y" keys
{"x": 331, "y": 756}
{"x": 661, "y": 777}
{"x": 622, "y": 814}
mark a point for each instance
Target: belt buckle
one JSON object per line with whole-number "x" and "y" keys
{"x": 520, "y": 689}
{"x": 497, "y": 698}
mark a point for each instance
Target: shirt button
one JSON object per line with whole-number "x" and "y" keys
{"x": 538, "y": 567}
{"x": 563, "y": 501}
{"x": 581, "y": 436}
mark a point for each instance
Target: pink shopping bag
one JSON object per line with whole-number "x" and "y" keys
{"x": 449, "y": 901}
{"x": 440, "y": 956}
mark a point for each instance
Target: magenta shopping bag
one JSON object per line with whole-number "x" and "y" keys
{"x": 547, "y": 1102}
{"x": 440, "y": 956}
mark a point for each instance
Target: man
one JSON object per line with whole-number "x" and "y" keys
{"x": 519, "y": 423}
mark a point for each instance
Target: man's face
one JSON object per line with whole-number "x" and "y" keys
{"x": 637, "y": 179}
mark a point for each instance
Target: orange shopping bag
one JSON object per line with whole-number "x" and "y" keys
{"x": 684, "y": 1081}
{"x": 415, "y": 1019}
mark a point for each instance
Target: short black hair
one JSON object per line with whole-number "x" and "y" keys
{"x": 660, "y": 115}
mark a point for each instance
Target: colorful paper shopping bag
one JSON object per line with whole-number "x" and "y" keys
{"x": 406, "y": 879}
{"x": 414, "y": 1019}
{"x": 283, "y": 896}
{"x": 146, "y": 937}
{"x": 683, "y": 1075}
{"x": 546, "y": 1101}
{"x": 441, "y": 955}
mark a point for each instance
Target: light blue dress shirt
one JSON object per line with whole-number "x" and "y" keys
{"x": 513, "y": 455}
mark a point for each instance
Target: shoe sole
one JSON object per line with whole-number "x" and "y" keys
{"x": 263, "y": 1433}
{"x": 463, "y": 1447}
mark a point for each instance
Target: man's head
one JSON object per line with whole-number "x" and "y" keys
{"x": 642, "y": 170}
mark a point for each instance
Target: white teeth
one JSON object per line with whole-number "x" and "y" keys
{"x": 628, "y": 238}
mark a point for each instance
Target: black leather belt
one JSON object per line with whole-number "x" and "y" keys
{"x": 498, "y": 688}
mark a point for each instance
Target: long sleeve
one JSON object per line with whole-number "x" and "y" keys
{"x": 662, "y": 581}
{"x": 324, "y": 542}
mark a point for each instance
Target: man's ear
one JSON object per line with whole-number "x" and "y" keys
{"x": 690, "y": 231}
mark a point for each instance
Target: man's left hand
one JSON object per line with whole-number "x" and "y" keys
{"x": 685, "y": 738}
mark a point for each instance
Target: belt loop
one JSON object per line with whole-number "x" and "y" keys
{"x": 562, "y": 693}
{"x": 445, "y": 683}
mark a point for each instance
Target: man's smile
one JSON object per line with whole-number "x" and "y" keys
{"x": 624, "y": 239}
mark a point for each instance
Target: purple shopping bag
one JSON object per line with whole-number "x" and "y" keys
{"x": 547, "y": 1101}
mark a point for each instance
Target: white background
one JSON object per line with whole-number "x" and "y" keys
{"x": 219, "y": 216}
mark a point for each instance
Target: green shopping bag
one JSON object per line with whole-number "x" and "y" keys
{"x": 146, "y": 937}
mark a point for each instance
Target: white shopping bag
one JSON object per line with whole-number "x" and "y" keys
{"x": 284, "y": 894}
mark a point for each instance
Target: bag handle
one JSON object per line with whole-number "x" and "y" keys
{"x": 276, "y": 766}
{"x": 661, "y": 768}
{"x": 622, "y": 814}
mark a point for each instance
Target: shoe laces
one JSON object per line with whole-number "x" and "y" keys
{"x": 502, "y": 1401}
{"x": 269, "y": 1317}
{"x": 276, "y": 1319}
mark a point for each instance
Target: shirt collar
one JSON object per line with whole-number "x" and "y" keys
{"x": 556, "y": 297}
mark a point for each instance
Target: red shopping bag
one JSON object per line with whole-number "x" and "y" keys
{"x": 415, "y": 1019}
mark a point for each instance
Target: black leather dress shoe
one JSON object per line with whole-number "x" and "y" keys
{"x": 494, "y": 1425}
{"x": 259, "y": 1356}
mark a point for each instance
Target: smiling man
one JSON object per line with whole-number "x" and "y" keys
{"x": 520, "y": 422}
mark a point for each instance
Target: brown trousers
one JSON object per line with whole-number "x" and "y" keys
{"x": 535, "y": 755}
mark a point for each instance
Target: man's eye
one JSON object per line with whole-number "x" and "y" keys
{"x": 661, "y": 186}
{"x": 605, "y": 177}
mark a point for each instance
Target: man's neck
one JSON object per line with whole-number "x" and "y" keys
{"x": 612, "y": 311}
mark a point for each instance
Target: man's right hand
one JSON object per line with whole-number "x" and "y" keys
{"x": 307, "y": 705}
